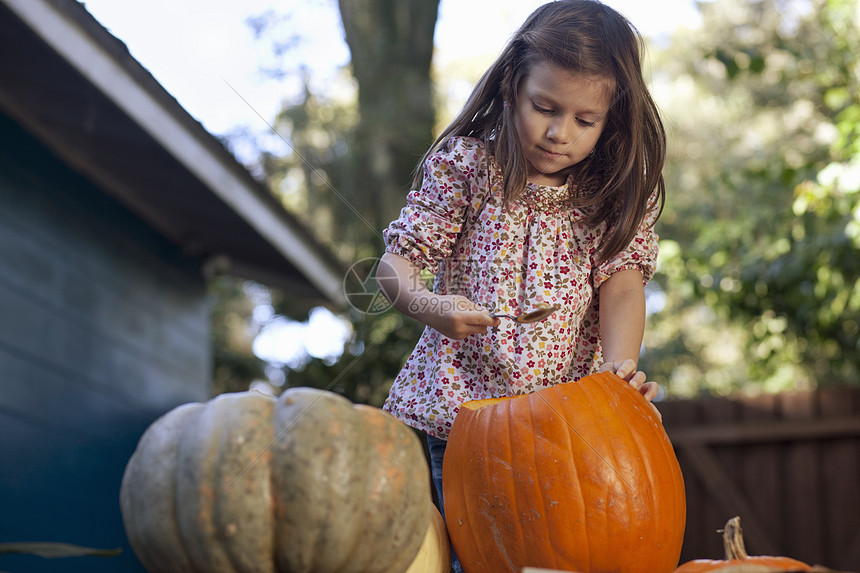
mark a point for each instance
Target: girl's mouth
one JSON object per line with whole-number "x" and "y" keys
{"x": 549, "y": 154}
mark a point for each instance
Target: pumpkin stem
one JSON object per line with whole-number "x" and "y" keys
{"x": 733, "y": 540}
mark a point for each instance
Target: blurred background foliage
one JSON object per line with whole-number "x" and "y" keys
{"x": 758, "y": 285}
{"x": 759, "y": 266}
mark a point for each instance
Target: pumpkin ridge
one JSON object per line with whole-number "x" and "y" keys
{"x": 376, "y": 440}
{"x": 674, "y": 507}
{"x": 195, "y": 515}
{"x": 487, "y": 478}
{"x": 567, "y": 404}
{"x": 539, "y": 478}
{"x": 285, "y": 422}
{"x": 153, "y": 501}
{"x": 597, "y": 393}
{"x": 517, "y": 442}
{"x": 609, "y": 391}
{"x": 607, "y": 397}
{"x": 189, "y": 420}
{"x": 650, "y": 437}
{"x": 353, "y": 558}
{"x": 469, "y": 501}
{"x": 455, "y": 455}
{"x": 508, "y": 460}
{"x": 356, "y": 558}
{"x": 192, "y": 415}
{"x": 663, "y": 505}
{"x": 393, "y": 443}
{"x": 502, "y": 462}
{"x": 243, "y": 474}
{"x": 562, "y": 558}
{"x": 646, "y": 468}
{"x": 524, "y": 458}
{"x": 638, "y": 463}
{"x": 310, "y": 418}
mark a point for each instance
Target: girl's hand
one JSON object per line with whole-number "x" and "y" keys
{"x": 454, "y": 316}
{"x": 636, "y": 378}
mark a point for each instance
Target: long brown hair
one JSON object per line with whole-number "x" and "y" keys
{"x": 625, "y": 168}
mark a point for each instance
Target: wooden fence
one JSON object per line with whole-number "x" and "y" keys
{"x": 787, "y": 464}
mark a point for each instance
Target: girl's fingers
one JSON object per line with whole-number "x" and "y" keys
{"x": 637, "y": 380}
{"x": 626, "y": 370}
{"x": 649, "y": 390}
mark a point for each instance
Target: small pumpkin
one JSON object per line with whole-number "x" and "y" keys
{"x": 305, "y": 482}
{"x": 737, "y": 559}
{"x": 435, "y": 553}
{"x": 579, "y": 476}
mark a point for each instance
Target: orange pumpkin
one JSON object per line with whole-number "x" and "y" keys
{"x": 580, "y": 476}
{"x": 736, "y": 555}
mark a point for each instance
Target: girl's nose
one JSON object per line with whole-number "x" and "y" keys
{"x": 560, "y": 130}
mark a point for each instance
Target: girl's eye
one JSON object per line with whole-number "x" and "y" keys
{"x": 540, "y": 109}
{"x": 585, "y": 123}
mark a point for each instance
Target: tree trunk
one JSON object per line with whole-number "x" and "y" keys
{"x": 391, "y": 42}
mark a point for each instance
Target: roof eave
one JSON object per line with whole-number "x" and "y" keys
{"x": 93, "y": 52}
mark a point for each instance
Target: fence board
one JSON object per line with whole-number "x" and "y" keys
{"x": 761, "y": 473}
{"x": 803, "y": 484}
{"x": 732, "y": 500}
{"x": 840, "y": 463}
{"x": 788, "y": 464}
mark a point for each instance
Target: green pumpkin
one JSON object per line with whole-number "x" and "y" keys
{"x": 305, "y": 482}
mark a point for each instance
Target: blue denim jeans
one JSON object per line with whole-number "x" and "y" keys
{"x": 437, "y": 453}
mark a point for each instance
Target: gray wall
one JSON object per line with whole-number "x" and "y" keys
{"x": 103, "y": 327}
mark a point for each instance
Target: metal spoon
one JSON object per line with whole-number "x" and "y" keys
{"x": 541, "y": 312}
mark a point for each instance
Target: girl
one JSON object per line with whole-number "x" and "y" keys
{"x": 544, "y": 189}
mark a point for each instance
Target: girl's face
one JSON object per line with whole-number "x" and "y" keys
{"x": 559, "y": 116}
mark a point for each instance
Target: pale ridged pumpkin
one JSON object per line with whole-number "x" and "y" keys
{"x": 737, "y": 558}
{"x": 306, "y": 482}
{"x": 580, "y": 476}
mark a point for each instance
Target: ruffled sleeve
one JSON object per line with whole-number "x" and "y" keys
{"x": 640, "y": 254}
{"x": 430, "y": 222}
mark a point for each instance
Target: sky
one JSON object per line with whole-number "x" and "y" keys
{"x": 198, "y": 49}
{"x": 204, "y": 52}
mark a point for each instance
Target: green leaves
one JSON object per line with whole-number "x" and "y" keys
{"x": 764, "y": 200}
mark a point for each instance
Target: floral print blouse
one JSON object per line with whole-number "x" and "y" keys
{"x": 508, "y": 258}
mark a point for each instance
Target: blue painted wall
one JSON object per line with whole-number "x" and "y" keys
{"x": 104, "y": 326}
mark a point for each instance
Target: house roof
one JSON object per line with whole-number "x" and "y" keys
{"x": 77, "y": 88}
